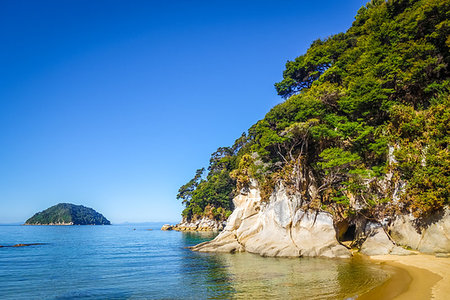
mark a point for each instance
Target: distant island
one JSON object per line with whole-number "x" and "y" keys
{"x": 68, "y": 214}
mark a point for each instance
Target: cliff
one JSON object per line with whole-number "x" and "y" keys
{"x": 283, "y": 227}
{"x": 357, "y": 156}
{"x": 67, "y": 214}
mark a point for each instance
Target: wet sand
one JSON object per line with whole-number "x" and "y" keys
{"x": 417, "y": 277}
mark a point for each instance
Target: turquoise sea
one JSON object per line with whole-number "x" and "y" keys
{"x": 133, "y": 262}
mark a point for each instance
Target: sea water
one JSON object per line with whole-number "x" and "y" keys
{"x": 142, "y": 262}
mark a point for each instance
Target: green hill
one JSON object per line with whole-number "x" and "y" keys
{"x": 364, "y": 128}
{"x": 68, "y": 214}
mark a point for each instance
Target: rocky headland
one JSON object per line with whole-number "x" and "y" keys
{"x": 355, "y": 159}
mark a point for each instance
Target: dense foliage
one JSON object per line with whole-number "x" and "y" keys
{"x": 350, "y": 99}
{"x": 211, "y": 196}
{"x": 68, "y": 213}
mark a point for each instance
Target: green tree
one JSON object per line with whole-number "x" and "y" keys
{"x": 185, "y": 191}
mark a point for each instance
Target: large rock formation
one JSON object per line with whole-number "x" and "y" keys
{"x": 281, "y": 228}
{"x": 276, "y": 228}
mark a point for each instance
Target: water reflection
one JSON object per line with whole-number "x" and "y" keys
{"x": 253, "y": 276}
{"x": 244, "y": 275}
{"x": 205, "y": 273}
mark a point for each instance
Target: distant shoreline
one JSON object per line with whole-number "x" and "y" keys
{"x": 51, "y": 224}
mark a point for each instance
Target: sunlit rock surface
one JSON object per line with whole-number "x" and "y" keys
{"x": 431, "y": 235}
{"x": 279, "y": 228}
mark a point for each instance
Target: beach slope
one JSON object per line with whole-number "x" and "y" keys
{"x": 430, "y": 275}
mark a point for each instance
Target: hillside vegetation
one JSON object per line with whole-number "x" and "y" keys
{"x": 66, "y": 213}
{"x": 364, "y": 128}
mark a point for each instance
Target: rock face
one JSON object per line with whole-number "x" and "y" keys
{"x": 378, "y": 242}
{"x": 203, "y": 224}
{"x": 430, "y": 236}
{"x": 279, "y": 228}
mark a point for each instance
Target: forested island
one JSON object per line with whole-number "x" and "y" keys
{"x": 68, "y": 214}
{"x": 357, "y": 154}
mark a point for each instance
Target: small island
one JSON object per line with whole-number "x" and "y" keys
{"x": 68, "y": 214}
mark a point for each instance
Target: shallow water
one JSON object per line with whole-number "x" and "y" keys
{"x": 132, "y": 262}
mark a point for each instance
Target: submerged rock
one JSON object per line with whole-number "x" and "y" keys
{"x": 22, "y": 245}
{"x": 279, "y": 228}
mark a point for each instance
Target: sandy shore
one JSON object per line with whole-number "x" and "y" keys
{"x": 426, "y": 277}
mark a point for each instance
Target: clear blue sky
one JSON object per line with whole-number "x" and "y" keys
{"x": 115, "y": 104}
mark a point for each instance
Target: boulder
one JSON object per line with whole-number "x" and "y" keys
{"x": 278, "y": 228}
{"x": 378, "y": 242}
{"x": 431, "y": 235}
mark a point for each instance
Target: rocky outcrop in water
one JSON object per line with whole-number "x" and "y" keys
{"x": 202, "y": 224}
{"x": 167, "y": 227}
{"x": 279, "y": 228}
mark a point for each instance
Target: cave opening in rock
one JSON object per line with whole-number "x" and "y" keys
{"x": 349, "y": 234}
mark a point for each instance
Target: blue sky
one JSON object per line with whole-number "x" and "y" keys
{"x": 115, "y": 104}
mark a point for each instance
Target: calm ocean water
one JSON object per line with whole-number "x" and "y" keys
{"x": 132, "y": 262}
